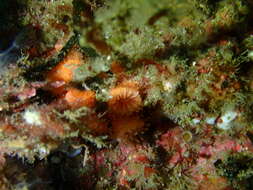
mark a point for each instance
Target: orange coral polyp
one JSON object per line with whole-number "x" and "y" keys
{"x": 124, "y": 100}
{"x": 79, "y": 98}
{"x": 64, "y": 71}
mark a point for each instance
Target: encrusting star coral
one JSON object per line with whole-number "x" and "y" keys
{"x": 126, "y": 95}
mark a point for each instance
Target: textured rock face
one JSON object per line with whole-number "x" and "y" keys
{"x": 124, "y": 94}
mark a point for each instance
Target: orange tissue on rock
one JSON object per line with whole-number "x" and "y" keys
{"x": 8, "y": 129}
{"x": 79, "y": 98}
{"x": 125, "y": 99}
{"x": 124, "y": 127}
{"x": 117, "y": 68}
{"x": 130, "y": 84}
{"x": 64, "y": 71}
{"x": 96, "y": 125}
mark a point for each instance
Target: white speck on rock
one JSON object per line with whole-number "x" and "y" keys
{"x": 196, "y": 121}
{"x": 32, "y": 117}
{"x": 211, "y": 120}
{"x": 43, "y": 150}
{"x": 167, "y": 86}
{"x": 226, "y": 120}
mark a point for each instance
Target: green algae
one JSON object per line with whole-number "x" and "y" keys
{"x": 238, "y": 168}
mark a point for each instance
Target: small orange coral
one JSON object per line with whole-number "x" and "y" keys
{"x": 125, "y": 99}
{"x": 126, "y": 126}
{"x": 78, "y": 98}
{"x": 65, "y": 69}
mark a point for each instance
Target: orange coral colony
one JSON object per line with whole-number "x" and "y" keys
{"x": 125, "y": 99}
{"x": 79, "y": 98}
{"x": 64, "y": 71}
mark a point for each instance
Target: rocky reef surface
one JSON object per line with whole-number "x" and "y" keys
{"x": 126, "y": 94}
